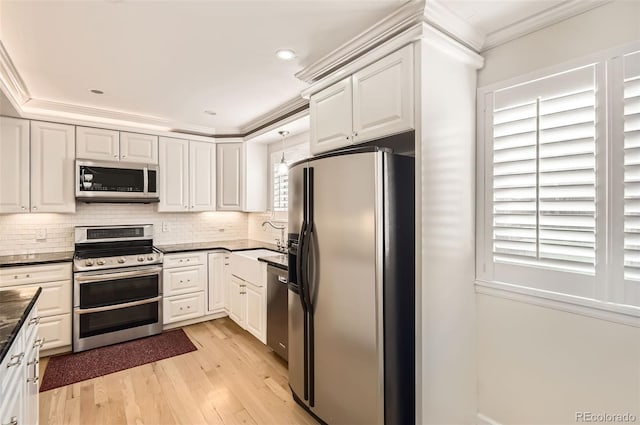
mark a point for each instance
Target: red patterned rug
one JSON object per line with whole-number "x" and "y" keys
{"x": 72, "y": 368}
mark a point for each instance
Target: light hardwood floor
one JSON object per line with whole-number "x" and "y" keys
{"x": 231, "y": 379}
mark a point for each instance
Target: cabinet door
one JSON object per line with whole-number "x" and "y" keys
{"x": 256, "y": 312}
{"x": 383, "y": 97}
{"x": 97, "y": 143}
{"x": 330, "y": 115}
{"x": 174, "y": 175}
{"x": 216, "y": 282}
{"x": 53, "y": 148}
{"x": 236, "y": 299}
{"x": 56, "y": 331}
{"x": 202, "y": 176}
{"x": 14, "y": 165}
{"x": 31, "y": 378}
{"x": 229, "y": 172}
{"x": 138, "y": 148}
{"x": 11, "y": 405}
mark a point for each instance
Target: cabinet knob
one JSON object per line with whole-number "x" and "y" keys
{"x": 115, "y": 156}
{"x": 23, "y": 208}
{"x": 355, "y": 134}
{"x": 34, "y": 208}
{"x": 28, "y": 275}
{"x": 186, "y": 206}
{"x": 124, "y": 156}
{"x": 347, "y": 137}
{"x": 14, "y": 421}
{"x": 39, "y": 342}
{"x": 192, "y": 206}
{"x": 34, "y": 321}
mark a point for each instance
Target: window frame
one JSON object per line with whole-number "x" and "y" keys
{"x": 609, "y": 296}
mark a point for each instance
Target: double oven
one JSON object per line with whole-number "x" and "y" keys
{"x": 117, "y": 291}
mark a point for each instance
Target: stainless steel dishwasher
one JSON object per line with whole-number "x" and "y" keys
{"x": 277, "y": 311}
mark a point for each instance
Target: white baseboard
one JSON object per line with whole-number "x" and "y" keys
{"x": 485, "y": 420}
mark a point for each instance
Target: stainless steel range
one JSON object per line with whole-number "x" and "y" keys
{"x": 117, "y": 285}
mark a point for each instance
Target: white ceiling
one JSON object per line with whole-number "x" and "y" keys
{"x": 168, "y": 61}
{"x": 175, "y": 59}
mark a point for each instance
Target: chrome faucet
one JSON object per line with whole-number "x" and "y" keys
{"x": 280, "y": 243}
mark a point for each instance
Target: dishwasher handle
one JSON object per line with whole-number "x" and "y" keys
{"x": 282, "y": 279}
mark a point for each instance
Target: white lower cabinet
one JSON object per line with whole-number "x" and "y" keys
{"x": 247, "y": 305}
{"x": 19, "y": 376}
{"x": 54, "y": 304}
{"x": 216, "y": 286}
{"x": 184, "y": 282}
{"x": 183, "y": 307}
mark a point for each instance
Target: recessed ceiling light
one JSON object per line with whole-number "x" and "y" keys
{"x": 96, "y": 91}
{"x": 208, "y": 112}
{"x": 286, "y": 54}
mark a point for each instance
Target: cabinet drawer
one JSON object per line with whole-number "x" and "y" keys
{"x": 186, "y": 259}
{"x": 184, "y": 280}
{"x": 27, "y": 275}
{"x": 54, "y": 299}
{"x": 56, "y": 331}
{"x": 183, "y": 307}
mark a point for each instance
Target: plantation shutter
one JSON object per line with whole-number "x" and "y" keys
{"x": 280, "y": 188}
{"x": 632, "y": 167}
{"x": 544, "y": 173}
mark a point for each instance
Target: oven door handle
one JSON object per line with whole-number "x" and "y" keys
{"x": 117, "y": 306}
{"x": 100, "y": 277}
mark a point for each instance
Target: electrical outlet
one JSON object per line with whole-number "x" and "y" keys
{"x": 41, "y": 234}
{"x": 165, "y": 226}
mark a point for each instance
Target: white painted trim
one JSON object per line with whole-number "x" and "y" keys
{"x": 11, "y": 80}
{"x": 550, "y": 16}
{"x": 407, "y": 16}
{"x": 274, "y": 114}
{"x": 402, "y": 18}
{"x": 610, "y": 312}
{"x": 485, "y": 420}
{"x": 419, "y": 32}
{"x": 439, "y": 16}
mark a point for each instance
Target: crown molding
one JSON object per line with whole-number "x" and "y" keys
{"x": 18, "y": 93}
{"x": 407, "y": 16}
{"x": 540, "y": 20}
{"x": 289, "y": 108}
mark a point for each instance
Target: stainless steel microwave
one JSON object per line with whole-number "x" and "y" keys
{"x": 106, "y": 181}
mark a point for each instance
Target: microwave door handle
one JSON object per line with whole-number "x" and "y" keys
{"x": 145, "y": 177}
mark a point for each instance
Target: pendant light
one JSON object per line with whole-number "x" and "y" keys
{"x": 282, "y": 165}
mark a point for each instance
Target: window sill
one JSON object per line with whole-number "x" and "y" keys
{"x": 617, "y": 313}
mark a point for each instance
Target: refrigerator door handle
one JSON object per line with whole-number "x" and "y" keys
{"x": 300, "y": 270}
{"x": 307, "y": 277}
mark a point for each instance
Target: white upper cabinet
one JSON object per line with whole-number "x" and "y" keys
{"x": 230, "y": 176}
{"x": 14, "y": 165}
{"x": 174, "y": 176}
{"x": 187, "y": 175}
{"x": 138, "y": 148}
{"x": 331, "y": 118}
{"x": 112, "y": 145}
{"x": 202, "y": 176}
{"x": 242, "y": 177}
{"x": 98, "y": 143}
{"x": 375, "y": 102}
{"x": 53, "y": 148}
{"x": 383, "y": 97}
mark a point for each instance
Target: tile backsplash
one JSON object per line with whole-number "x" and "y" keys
{"x": 18, "y": 232}
{"x": 267, "y": 233}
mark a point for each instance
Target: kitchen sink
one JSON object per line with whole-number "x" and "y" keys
{"x": 254, "y": 254}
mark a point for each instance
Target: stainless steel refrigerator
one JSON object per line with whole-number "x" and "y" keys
{"x": 351, "y": 287}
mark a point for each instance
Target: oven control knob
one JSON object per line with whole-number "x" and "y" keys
{"x": 100, "y": 262}
{"x": 150, "y": 258}
{"x": 121, "y": 260}
{"x": 88, "y": 263}
{"x": 141, "y": 259}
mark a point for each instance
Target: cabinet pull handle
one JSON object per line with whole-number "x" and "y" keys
{"x": 16, "y": 359}
{"x": 124, "y": 156}
{"x": 242, "y": 292}
{"x": 28, "y": 275}
{"x": 35, "y": 320}
{"x": 33, "y": 380}
{"x": 14, "y": 421}
{"x": 39, "y": 342}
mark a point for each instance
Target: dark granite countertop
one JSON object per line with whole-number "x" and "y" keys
{"x": 15, "y": 306}
{"x": 31, "y": 259}
{"x": 232, "y": 245}
{"x": 279, "y": 260}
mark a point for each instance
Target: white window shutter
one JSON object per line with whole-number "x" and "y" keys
{"x": 544, "y": 173}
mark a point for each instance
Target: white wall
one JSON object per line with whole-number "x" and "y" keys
{"x": 535, "y": 364}
{"x": 18, "y": 231}
{"x": 446, "y": 155}
{"x": 613, "y": 24}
